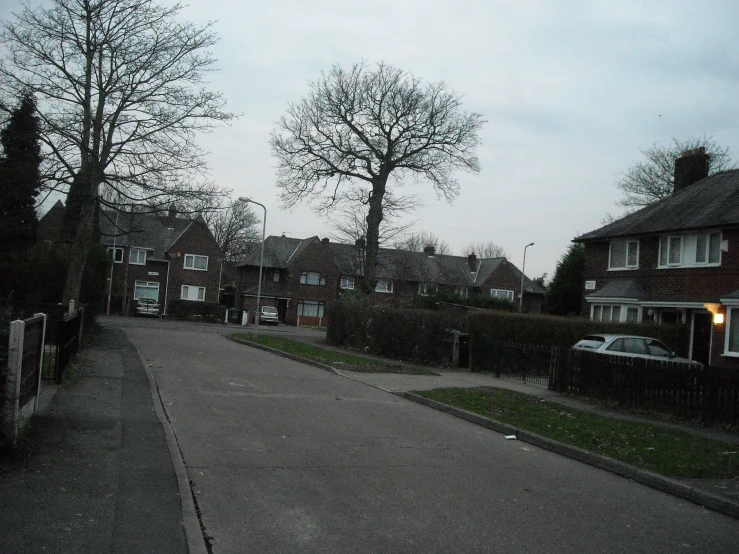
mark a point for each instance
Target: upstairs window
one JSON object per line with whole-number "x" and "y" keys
{"x": 502, "y": 294}
{"x": 276, "y": 277}
{"x": 426, "y": 289}
{"x": 137, "y": 256}
{"x": 347, "y": 283}
{"x": 313, "y": 278}
{"x": 193, "y": 261}
{"x": 624, "y": 254}
{"x": 384, "y": 285}
{"x": 116, "y": 254}
{"x": 697, "y": 249}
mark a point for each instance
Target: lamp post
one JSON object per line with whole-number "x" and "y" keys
{"x": 261, "y": 263}
{"x": 523, "y": 268}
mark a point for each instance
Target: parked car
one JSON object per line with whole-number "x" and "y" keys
{"x": 630, "y": 346}
{"x": 268, "y": 315}
{"x": 147, "y": 306}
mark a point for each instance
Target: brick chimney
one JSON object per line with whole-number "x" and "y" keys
{"x": 429, "y": 250}
{"x": 691, "y": 167}
{"x": 359, "y": 243}
{"x": 172, "y": 211}
{"x": 472, "y": 261}
{"x": 324, "y": 242}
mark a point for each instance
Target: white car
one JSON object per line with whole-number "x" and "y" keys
{"x": 630, "y": 346}
{"x": 268, "y": 315}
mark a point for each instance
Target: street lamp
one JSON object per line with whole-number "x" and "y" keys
{"x": 261, "y": 263}
{"x": 523, "y": 268}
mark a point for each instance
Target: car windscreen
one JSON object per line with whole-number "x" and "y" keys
{"x": 269, "y": 310}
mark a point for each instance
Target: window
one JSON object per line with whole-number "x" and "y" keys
{"x": 462, "y": 292}
{"x": 384, "y": 285}
{"x": 312, "y": 278}
{"x": 116, "y": 254}
{"x": 656, "y": 348}
{"x": 146, "y": 289}
{"x": 731, "y": 346}
{"x": 425, "y": 289}
{"x": 632, "y": 315}
{"x": 347, "y": 283}
{"x": 624, "y": 254}
{"x": 193, "y": 261}
{"x": 634, "y": 345}
{"x": 137, "y": 256}
{"x": 690, "y": 250}
{"x": 310, "y": 308}
{"x": 190, "y": 292}
{"x": 276, "y": 277}
{"x": 502, "y": 294}
{"x": 615, "y": 313}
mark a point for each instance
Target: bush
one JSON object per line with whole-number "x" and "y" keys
{"x": 411, "y": 334}
{"x": 188, "y": 310}
{"x": 546, "y": 330}
{"x": 474, "y": 300}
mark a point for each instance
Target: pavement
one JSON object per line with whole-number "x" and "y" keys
{"x": 103, "y": 472}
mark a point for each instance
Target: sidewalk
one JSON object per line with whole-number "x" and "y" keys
{"x": 100, "y": 477}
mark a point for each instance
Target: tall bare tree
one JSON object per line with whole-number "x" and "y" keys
{"x": 372, "y": 126}
{"x": 653, "y": 178}
{"x": 121, "y": 98}
{"x": 416, "y": 242}
{"x": 484, "y": 249}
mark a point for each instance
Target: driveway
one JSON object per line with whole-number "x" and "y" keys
{"x": 285, "y": 457}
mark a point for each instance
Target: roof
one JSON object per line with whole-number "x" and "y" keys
{"x": 711, "y": 202}
{"x": 150, "y": 231}
{"x": 620, "y": 288}
{"x": 278, "y": 251}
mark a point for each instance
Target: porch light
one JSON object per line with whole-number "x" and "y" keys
{"x": 718, "y": 318}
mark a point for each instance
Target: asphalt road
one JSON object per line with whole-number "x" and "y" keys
{"x": 285, "y": 457}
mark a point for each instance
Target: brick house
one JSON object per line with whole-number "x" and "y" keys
{"x": 164, "y": 257}
{"x": 675, "y": 261}
{"x": 301, "y": 275}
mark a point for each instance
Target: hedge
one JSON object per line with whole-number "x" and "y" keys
{"x": 422, "y": 336}
{"x": 187, "y": 309}
{"x": 545, "y": 330}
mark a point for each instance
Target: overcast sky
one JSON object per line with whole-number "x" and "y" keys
{"x": 571, "y": 92}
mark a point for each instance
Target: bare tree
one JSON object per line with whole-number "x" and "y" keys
{"x": 653, "y": 179}
{"x": 483, "y": 249}
{"x": 372, "y": 126}
{"x": 121, "y": 98}
{"x": 416, "y": 242}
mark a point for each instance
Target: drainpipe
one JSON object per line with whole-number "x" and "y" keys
{"x": 166, "y": 290}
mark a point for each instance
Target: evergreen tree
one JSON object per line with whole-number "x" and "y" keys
{"x": 20, "y": 177}
{"x": 565, "y": 291}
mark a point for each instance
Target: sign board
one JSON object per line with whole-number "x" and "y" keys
{"x": 153, "y": 273}
{"x": 589, "y": 285}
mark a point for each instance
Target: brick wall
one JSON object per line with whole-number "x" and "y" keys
{"x": 196, "y": 239}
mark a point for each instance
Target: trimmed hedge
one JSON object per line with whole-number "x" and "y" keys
{"x": 205, "y": 311}
{"x": 422, "y": 336}
{"x": 544, "y": 330}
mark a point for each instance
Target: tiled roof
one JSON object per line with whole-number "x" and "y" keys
{"x": 278, "y": 251}
{"x": 710, "y": 203}
{"x": 149, "y": 231}
{"x": 269, "y": 290}
{"x": 620, "y": 288}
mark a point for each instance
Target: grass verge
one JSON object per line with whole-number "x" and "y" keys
{"x": 663, "y": 450}
{"x": 339, "y": 360}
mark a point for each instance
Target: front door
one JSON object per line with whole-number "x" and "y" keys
{"x": 701, "y": 347}
{"x": 281, "y": 309}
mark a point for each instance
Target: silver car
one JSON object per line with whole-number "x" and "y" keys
{"x": 268, "y": 315}
{"x": 630, "y": 346}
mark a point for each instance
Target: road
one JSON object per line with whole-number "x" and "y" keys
{"x": 285, "y": 457}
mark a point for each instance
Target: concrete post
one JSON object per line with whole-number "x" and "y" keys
{"x": 13, "y": 380}
{"x": 40, "y": 361}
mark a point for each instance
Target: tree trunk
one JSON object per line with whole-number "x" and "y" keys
{"x": 83, "y": 239}
{"x": 374, "y": 218}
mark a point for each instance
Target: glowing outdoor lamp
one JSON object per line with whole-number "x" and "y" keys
{"x": 718, "y": 318}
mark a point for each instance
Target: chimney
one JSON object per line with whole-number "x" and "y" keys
{"x": 429, "y": 250}
{"x": 324, "y": 242}
{"x": 359, "y": 243}
{"x": 172, "y": 210}
{"x": 472, "y": 261}
{"x": 691, "y": 167}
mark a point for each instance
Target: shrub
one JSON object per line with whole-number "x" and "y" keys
{"x": 545, "y": 330}
{"x": 411, "y": 334}
{"x": 442, "y": 300}
{"x": 188, "y": 310}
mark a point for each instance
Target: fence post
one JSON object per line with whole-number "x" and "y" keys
{"x": 13, "y": 379}
{"x": 40, "y": 360}
{"x": 71, "y": 307}
{"x": 81, "y": 313}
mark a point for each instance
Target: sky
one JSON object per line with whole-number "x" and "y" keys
{"x": 571, "y": 92}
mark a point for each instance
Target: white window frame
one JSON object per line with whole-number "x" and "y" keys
{"x": 347, "y": 283}
{"x": 727, "y": 333}
{"x": 688, "y": 255}
{"x": 320, "y": 306}
{"x": 304, "y": 279}
{"x": 138, "y": 252}
{"x": 275, "y": 276}
{"x": 387, "y": 289}
{"x": 623, "y": 312}
{"x": 509, "y": 294}
{"x": 145, "y": 284}
{"x": 626, "y": 266}
{"x": 191, "y": 265}
{"x": 427, "y": 289}
{"x": 112, "y": 251}
{"x": 187, "y": 297}
{"x": 462, "y": 292}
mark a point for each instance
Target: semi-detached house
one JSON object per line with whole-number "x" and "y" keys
{"x": 675, "y": 261}
{"x": 300, "y": 276}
